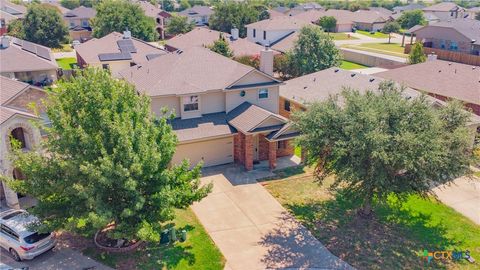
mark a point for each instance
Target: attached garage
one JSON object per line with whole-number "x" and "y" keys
{"x": 212, "y": 152}
{"x": 344, "y": 27}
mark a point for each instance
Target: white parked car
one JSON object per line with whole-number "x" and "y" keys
{"x": 18, "y": 240}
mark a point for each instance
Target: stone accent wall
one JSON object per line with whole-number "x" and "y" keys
{"x": 262, "y": 147}
{"x": 288, "y": 150}
{"x": 249, "y": 152}
{"x": 272, "y": 154}
{"x": 238, "y": 148}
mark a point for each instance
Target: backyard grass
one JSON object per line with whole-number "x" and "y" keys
{"x": 341, "y": 36}
{"x": 198, "y": 252}
{"x": 394, "y": 49}
{"x": 63, "y": 48}
{"x": 375, "y": 35}
{"x": 66, "y": 63}
{"x": 394, "y": 238}
{"x": 351, "y": 65}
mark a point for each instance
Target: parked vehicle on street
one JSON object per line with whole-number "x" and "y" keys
{"x": 21, "y": 242}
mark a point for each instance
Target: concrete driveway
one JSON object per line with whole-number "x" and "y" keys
{"x": 253, "y": 231}
{"x": 56, "y": 259}
{"x": 463, "y": 195}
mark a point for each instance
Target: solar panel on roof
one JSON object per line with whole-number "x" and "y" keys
{"x": 114, "y": 56}
{"x": 126, "y": 45}
{"x": 44, "y": 53}
{"x": 29, "y": 46}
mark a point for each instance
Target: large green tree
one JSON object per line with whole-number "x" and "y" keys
{"x": 179, "y": 25}
{"x": 121, "y": 15}
{"x": 313, "y": 51}
{"x": 108, "y": 161}
{"x": 389, "y": 28}
{"x": 410, "y": 18}
{"x": 416, "y": 54}
{"x": 43, "y": 24}
{"x": 379, "y": 143}
{"x": 222, "y": 47}
{"x": 328, "y": 23}
{"x": 231, "y": 14}
{"x": 15, "y": 29}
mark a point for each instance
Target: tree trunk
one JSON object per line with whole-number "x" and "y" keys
{"x": 366, "y": 209}
{"x": 389, "y": 37}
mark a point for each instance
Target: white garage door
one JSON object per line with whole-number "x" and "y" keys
{"x": 213, "y": 152}
{"x": 344, "y": 28}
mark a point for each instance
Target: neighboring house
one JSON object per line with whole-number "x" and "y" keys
{"x": 270, "y": 31}
{"x": 472, "y": 12}
{"x": 225, "y": 111}
{"x": 8, "y": 13}
{"x": 441, "y": 79}
{"x": 273, "y": 13}
{"x": 78, "y": 22}
{"x": 16, "y": 122}
{"x": 27, "y": 61}
{"x": 460, "y": 35}
{"x": 413, "y": 6}
{"x": 161, "y": 17}
{"x": 385, "y": 12}
{"x": 300, "y": 8}
{"x": 370, "y": 20}
{"x": 344, "y": 18}
{"x": 204, "y": 37}
{"x": 116, "y": 52}
{"x": 198, "y": 14}
{"x": 280, "y": 9}
{"x": 446, "y": 11}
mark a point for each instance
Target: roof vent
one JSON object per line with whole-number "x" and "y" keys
{"x": 449, "y": 64}
{"x": 305, "y": 87}
{"x": 5, "y": 42}
{"x": 372, "y": 79}
{"x": 127, "y": 34}
{"x": 314, "y": 79}
{"x": 353, "y": 75}
{"x": 337, "y": 70}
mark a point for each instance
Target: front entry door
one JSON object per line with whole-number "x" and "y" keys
{"x": 255, "y": 148}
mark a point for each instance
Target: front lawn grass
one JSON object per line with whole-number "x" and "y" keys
{"x": 198, "y": 252}
{"x": 392, "y": 239}
{"x": 394, "y": 49}
{"x": 67, "y": 63}
{"x": 341, "y": 36}
{"x": 351, "y": 65}
{"x": 374, "y": 35}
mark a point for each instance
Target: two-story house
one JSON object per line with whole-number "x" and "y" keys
{"x": 16, "y": 119}
{"x": 27, "y": 61}
{"x": 78, "y": 22}
{"x": 9, "y": 12}
{"x": 268, "y": 32}
{"x": 115, "y": 52}
{"x": 445, "y": 11}
{"x": 460, "y": 35}
{"x": 161, "y": 17}
{"x": 224, "y": 111}
{"x": 198, "y": 14}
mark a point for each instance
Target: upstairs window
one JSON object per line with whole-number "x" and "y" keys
{"x": 264, "y": 35}
{"x": 85, "y": 23}
{"x": 19, "y": 135}
{"x": 254, "y": 32}
{"x": 263, "y": 93}
{"x": 453, "y": 46}
{"x": 286, "y": 105}
{"x": 190, "y": 103}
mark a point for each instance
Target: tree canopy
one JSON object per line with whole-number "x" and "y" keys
{"x": 313, "y": 51}
{"x": 328, "y": 23}
{"x": 231, "y": 14}
{"x": 389, "y": 28}
{"x": 108, "y": 161}
{"x": 43, "y": 24}
{"x": 121, "y": 15}
{"x": 410, "y": 18}
{"x": 222, "y": 47}
{"x": 179, "y": 25}
{"x": 416, "y": 54}
{"x": 379, "y": 143}
{"x": 15, "y": 29}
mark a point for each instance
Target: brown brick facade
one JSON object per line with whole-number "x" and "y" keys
{"x": 25, "y": 99}
{"x": 293, "y": 106}
{"x": 249, "y": 152}
{"x": 286, "y": 148}
{"x": 238, "y": 148}
{"x": 272, "y": 155}
{"x": 262, "y": 147}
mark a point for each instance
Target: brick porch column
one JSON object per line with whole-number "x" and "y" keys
{"x": 248, "y": 152}
{"x": 272, "y": 155}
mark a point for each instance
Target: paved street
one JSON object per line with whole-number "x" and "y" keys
{"x": 56, "y": 259}
{"x": 365, "y": 39}
{"x": 463, "y": 195}
{"x": 253, "y": 231}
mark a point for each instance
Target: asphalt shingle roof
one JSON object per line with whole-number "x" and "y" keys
{"x": 280, "y": 23}
{"x": 16, "y": 59}
{"x": 467, "y": 27}
{"x": 197, "y": 10}
{"x": 247, "y": 116}
{"x": 209, "y": 125}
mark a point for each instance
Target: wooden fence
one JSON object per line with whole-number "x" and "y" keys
{"x": 446, "y": 55}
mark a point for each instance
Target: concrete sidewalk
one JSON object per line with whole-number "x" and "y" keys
{"x": 253, "y": 231}
{"x": 463, "y": 195}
